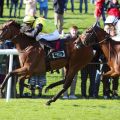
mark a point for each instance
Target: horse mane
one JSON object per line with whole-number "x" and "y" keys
{"x": 12, "y": 22}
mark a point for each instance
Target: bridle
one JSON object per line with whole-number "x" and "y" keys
{"x": 93, "y": 35}
{"x": 5, "y": 31}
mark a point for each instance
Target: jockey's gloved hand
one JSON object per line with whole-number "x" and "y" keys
{"x": 25, "y": 28}
{"x": 38, "y": 29}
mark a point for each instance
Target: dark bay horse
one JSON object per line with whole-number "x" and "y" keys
{"x": 111, "y": 49}
{"x": 33, "y": 58}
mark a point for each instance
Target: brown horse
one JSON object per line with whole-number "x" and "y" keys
{"x": 111, "y": 49}
{"x": 33, "y": 58}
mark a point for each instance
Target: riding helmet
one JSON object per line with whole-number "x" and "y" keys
{"x": 28, "y": 19}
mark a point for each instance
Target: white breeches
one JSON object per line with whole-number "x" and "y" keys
{"x": 116, "y": 38}
{"x": 49, "y": 37}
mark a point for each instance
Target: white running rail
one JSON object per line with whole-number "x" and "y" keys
{"x": 9, "y": 52}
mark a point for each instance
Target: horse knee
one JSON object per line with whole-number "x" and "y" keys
{"x": 67, "y": 84}
{"x": 65, "y": 87}
{"x": 117, "y": 72}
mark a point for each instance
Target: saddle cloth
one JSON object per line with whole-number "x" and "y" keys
{"x": 59, "y": 50}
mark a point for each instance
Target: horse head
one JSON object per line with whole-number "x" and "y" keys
{"x": 94, "y": 35}
{"x": 9, "y": 30}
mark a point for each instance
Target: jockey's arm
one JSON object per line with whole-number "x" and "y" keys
{"x": 33, "y": 32}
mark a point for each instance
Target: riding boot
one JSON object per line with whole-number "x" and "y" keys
{"x": 46, "y": 43}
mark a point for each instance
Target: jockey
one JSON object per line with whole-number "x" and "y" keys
{"x": 112, "y": 26}
{"x": 39, "y": 28}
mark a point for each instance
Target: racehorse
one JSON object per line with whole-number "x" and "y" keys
{"x": 33, "y": 58}
{"x": 111, "y": 49}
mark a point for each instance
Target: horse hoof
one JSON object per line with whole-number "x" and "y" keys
{"x": 48, "y": 103}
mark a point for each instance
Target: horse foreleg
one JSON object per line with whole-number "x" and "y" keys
{"x": 54, "y": 85}
{"x": 20, "y": 71}
{"x": 116, "y": 71}
{"x": 55, "y": 97}
{"x": 115, "y": 74}
{"x": 108, "y": 73}
{"x": 68, "y": 80}
{"x": 5, "y": 80}
{"x": 21, "y": 85}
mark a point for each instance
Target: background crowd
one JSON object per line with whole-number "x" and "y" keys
{"x": 91, "y": 72}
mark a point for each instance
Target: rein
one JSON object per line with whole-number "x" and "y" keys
{"x": 106, "y": 38}
{"x": 99, "y": 42}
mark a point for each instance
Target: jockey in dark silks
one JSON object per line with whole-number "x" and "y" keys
{"x": 41, "y": 29}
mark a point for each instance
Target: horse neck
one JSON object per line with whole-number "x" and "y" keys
{"x": 106, "y": 49}
{"x": 104, "y": 42}
{"x": 21, "y": 42}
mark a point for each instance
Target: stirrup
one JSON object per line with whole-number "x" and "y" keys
{"x": 50, "y": 51}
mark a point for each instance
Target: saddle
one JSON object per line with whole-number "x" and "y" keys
{"x": 54, "y": 50}
{"x": 57, "y": 47}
